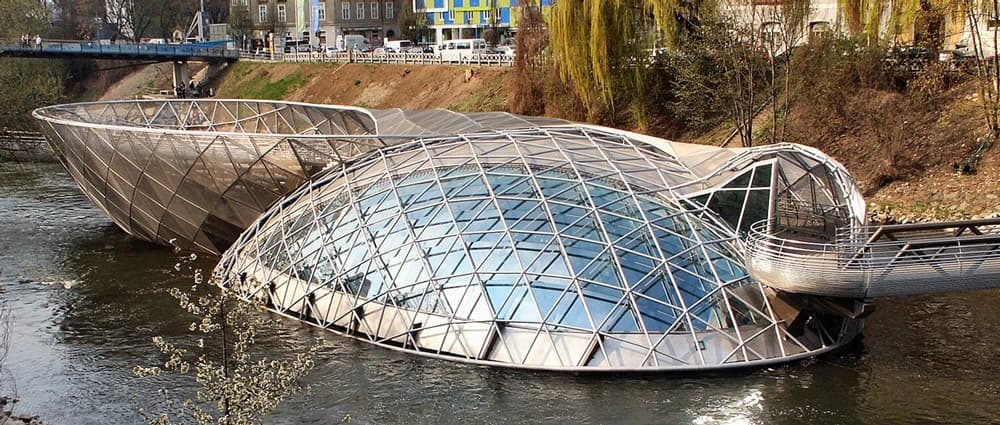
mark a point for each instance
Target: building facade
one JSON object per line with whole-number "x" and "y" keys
{"x": 453, "y": 19}
{"x": 939, "y": 26}
{"x": 319, "y": 22}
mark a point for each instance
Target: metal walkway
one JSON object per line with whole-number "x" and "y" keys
{"x": 883, "y": 261}
{"x": 81, "y": 49}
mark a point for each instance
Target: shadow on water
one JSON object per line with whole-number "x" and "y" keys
{"x": 88, "y": 298}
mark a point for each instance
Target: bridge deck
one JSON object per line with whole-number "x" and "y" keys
{"x": 883, "y": 261}
{"x": 206, "y": 52}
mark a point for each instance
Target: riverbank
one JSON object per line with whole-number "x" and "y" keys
{"x": 458, "y": 88}
{"x": 900, "y": 146}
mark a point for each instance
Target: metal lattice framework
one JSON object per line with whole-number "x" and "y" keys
{"x": 196, "y": 173}
{"x": 568, "y": 248}
{"x": 487, "y": 238}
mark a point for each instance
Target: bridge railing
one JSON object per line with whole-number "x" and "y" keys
{"x": 917, "y": 259}
{"x": 106, "y": 48}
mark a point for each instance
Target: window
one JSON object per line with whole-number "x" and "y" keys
{"x": 282, "y": 16}
{"x": 374, "y": 10}
{"x": 388, "y": 10}
{"x": 262, "y": 12}
{"x": 321, "y": 11}
{"x": 361, "y": 10}
{"x": 345, "y": 10}
{"x": 468, "y": 17}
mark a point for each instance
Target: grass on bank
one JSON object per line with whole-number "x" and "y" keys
{"x": 252, "y": 81}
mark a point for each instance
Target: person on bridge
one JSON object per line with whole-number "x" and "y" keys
{"x": 24, "y": 40}
{"x": 38, "y": 41}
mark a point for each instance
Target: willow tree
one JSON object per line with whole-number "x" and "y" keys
{"x": 599, "y": 45}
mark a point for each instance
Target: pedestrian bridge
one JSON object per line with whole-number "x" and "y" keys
{"x": 215, "y": 51}
{"x": 877, "y": 261}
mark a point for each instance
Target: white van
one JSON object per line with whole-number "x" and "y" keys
{"x": 397, "y": 46}
{"x": 353, "y": 42}
{"x": 462, "y": 49}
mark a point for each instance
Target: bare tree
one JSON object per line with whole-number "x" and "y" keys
{"x": 530, "y": 62}
{"x": 988, "y": 68}
{"x": 240, "y": 23}
{"x": 130, "y": 18}
{"x": 238, "y": 386}
{"x": 79, "y": 18}
{"x": 782, "y": 29}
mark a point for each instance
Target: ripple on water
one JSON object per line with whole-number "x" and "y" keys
{"x": 88, "y": 299}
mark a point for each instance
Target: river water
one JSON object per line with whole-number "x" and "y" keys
{"x": 87, "y": 299}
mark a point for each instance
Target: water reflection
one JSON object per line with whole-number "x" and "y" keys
{"x": 88, "y": 299}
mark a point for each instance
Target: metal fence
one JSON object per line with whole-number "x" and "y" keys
{"x": 484, "y": 59}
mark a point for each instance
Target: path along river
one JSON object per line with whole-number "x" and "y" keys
{"x": 87, "y": 299}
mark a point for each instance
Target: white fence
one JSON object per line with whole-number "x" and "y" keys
{"x": 485, "y": 59}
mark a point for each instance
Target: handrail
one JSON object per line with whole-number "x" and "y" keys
{"x": 105, "y": 47}
{"x": 866, "y": 266}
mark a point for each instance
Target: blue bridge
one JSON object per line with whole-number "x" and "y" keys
{"x": 215, "y": 51}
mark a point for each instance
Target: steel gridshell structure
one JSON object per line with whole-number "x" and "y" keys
{"x": 196, "y": 173}
{"x": 564, "y": 248}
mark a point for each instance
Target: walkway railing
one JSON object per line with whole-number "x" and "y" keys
{"x": 486, "y": 59}
{"x": 885, "y": 261}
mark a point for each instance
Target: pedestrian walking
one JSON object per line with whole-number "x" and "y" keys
{"x": 38, "y": 41}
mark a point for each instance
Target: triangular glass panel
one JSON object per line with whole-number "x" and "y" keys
{"x": 602, "y": 269}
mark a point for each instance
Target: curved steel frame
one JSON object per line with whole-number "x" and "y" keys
{"x": 297, "y": 258}
{"x": 196, "y": 173}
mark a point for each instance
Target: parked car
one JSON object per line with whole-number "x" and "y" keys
{"x": 961, "y": 58}
{"x": 504, "y": 50}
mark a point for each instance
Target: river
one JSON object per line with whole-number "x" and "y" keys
{"x": 87, "y": 299}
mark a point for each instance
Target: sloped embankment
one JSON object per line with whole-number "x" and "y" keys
{"x": 899, "y": 148}
{"x": 457, "y": 88}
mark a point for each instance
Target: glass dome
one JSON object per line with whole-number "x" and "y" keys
{"x": 551, "y": 248}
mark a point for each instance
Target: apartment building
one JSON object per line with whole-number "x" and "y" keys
{"x": 452, "y": 19}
